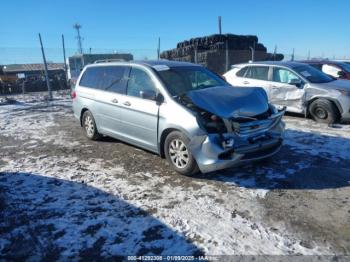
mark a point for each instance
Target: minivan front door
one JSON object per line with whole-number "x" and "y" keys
{"x": 286, "y": 89}
{"x": 139, "y": 112}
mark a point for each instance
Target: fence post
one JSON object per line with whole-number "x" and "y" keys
{"x": 23, "y": 87}
{"x": 195, "y": 54}
{"x": 64, "y": 60}
{"x": 46, "y": 70}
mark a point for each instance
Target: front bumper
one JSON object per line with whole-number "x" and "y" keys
{"x": 211, "y": 155}
{"x": 343, "y": 103}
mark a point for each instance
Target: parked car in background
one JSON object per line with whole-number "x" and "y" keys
{"x": 335, "y": 69}
{"x": 179, "y": 110}
{"x": 298, "y": 86}
{"x": 346, "y": 61}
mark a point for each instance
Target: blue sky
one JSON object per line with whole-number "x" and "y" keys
{"x": 319, "y": 26}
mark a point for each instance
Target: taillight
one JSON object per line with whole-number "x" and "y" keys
{"x": 73, "y": 95}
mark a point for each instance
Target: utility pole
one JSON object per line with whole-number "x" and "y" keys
{"x": 274, "y": 53}
{"x": 64, "y": 58}
{"x": 253, "y": 53}
{"x": 308, "y": 55}
{"x": 79, "y": 38}
{"x": 195, "y": 54}
{"x": 46, "y": 70}
{"x": 219, "y": 23}
{"x": 158, "y": 49}
{"x": 292, "y": 58}
{"x": 226, "y": 55}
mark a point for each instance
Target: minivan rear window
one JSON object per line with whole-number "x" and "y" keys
{"x": 109, "y": 78}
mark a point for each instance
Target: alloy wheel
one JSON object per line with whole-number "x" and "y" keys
{"x": 321, "y": 113}
{"x": 89, "y": 126}
{"x": 178, "y": 153}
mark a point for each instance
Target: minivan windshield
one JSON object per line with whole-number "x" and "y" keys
{"x": 180, "y": 80}
{"x": 312, "y": 74}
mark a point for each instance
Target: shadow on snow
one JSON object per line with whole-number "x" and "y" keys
{"x": 45, "y": 218}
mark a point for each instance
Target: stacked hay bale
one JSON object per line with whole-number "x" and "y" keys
{"x": 210, "y": 51}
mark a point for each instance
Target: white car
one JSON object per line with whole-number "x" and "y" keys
{"x": 299, "y": 87}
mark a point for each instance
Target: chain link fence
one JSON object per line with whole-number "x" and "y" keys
{"x": 22, "y": 69}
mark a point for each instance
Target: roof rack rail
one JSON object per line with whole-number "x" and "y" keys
{"x": 109, "y": 60}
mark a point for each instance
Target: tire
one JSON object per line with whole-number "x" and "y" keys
{"x": 324, "y": 111}
{"x": 89, "y": 126}
{"x": 178, "y": 155}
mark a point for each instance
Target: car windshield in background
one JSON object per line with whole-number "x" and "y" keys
{"x": 180, "y": 80}
{"x": 312, "y": 74}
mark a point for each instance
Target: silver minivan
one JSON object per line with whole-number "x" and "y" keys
{"x": 299, "y": 87}
{"x": 181, "y": 111}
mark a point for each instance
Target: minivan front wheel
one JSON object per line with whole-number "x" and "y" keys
{"x": 324, "y": 111}
{"x": 89, "y": 126}
{"x": 178, "y": 154}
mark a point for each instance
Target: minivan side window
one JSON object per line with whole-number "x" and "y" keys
{"x": 139, "y": 80}
{"x": 108, "y": 78}
{"x": 258, "y": 72}
{"x": 283, "y": 75}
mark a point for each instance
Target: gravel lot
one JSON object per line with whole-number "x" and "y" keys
{"x": 63, "y": 196}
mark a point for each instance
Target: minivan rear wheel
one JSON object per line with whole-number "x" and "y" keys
{"x": 324, "y": 111}
{"x": 89, "y": 126}
{"x": 178, "y": 154}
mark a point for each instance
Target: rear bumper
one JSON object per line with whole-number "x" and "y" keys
{"x": 212, "y": 156}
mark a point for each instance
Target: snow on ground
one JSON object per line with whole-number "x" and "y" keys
{"x": 33, "y": 116}
{"x": 329, "y": 142}
{"x": 215, "y": 229}
{"x": 76, "y": 206}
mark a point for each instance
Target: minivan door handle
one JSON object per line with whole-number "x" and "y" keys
{"x": 114, "y": 100}
{"x": 246, "y": 82}
{"x": 127, "y": 103}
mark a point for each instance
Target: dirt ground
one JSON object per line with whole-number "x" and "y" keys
{"x": 64, "y": 196}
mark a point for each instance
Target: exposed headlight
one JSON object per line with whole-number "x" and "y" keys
{"x": 228, "y": 143}
{"x": 210, "y": 123}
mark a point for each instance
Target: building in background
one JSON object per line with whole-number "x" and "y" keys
{"x": 19, "y": 78}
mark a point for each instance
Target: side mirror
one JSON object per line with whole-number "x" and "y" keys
{"x": 148, "y": 94}
{"x": 295, "y": 82}
{"x": 159, "y": 98}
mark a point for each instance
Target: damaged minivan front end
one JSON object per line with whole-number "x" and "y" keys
{"x": 239, "y": 126}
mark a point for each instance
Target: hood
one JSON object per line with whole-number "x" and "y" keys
{"x": 228, "y": 102}
{"x": 337, "y": 84}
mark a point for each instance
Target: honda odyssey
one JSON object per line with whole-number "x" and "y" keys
{"x": 181, "y": 111}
